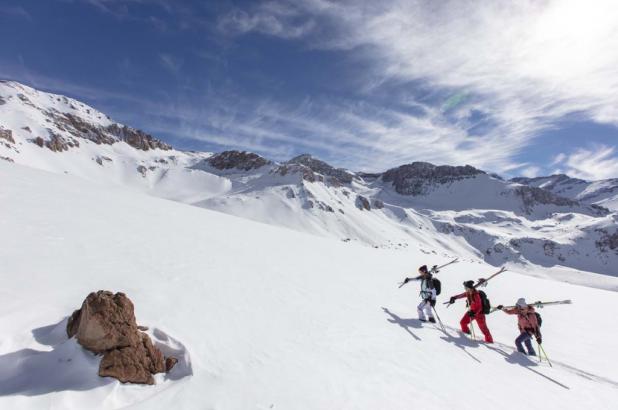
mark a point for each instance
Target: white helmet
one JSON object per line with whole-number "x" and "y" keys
{"x": 521, "y": 302}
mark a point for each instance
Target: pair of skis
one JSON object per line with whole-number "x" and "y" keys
{"x": 435, "y": 269}
{"x": 539, "y": 304}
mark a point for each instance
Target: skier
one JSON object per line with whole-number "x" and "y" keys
{"x": 527, "y": 323}
{"x": 475, "y": 310}
{"x": 428, "y": 294}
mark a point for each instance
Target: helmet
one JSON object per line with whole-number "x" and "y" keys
{"x": 469, "y": 284}
{"x": 521, "y": 303}
{"x": 423, "y": 269}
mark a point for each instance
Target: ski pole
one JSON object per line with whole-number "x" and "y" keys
{"x": 438, "y": 317}
{"x": 546, "y": 358}
{"x": 472, "y": 328}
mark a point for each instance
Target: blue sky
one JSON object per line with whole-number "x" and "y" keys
{"x": 513, "y": 87}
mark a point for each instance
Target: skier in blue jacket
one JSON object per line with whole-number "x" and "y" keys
{"x": 428, "y": 294}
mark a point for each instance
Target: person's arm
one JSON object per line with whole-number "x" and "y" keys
{"x": 511, "y": 311}
{"x": 406, "y": 280}
{"x": 454, "y": 298}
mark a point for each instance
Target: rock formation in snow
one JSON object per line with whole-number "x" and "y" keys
{"x": 106, "y": 324}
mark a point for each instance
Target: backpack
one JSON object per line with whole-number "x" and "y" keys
{"x": 539, "y": 319}
{"x": 436, "y": 285}
{"x": 485, "y": 302}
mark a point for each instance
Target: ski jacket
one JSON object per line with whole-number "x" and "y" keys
{"x": 526, "y": 320}
{"x": 428, "y": 292}
{"x": 474, "y": 301}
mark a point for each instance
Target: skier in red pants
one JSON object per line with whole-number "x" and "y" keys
{"x": 475, "y": 310}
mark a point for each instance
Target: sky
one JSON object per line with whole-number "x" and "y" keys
{"x": 519, "y": 88}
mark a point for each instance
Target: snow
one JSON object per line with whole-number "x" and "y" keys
{"x": 265, "y": 317}
{"x": 479, "y": 217}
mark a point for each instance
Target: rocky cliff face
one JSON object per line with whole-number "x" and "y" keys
{"x": 418, "y": 178}
{"x": 337, "y": 176}
{"x": 241, "y": 160}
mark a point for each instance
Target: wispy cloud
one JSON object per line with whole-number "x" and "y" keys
{"x": 522, "y": 65}
{"x": 596, "y": 162}
{"x": 16, "y": 11}
{"x": 170, "y": 63}
{"x": 272, "y": 18}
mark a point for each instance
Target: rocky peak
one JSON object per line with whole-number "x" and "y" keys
{"x": 338, "y": 175}
{"x": 418, "y": 177}
{"x": 242, "y": 160}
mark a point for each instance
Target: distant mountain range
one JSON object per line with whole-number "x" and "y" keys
{"x": 547, "y": 221}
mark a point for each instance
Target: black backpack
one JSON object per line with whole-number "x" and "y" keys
{"x": 539, "y": 319}
{"x": 485, "y": 302}
{"x": 436, "y": 285}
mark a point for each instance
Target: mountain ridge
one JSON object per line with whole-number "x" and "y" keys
{"x": 412, "y": 205}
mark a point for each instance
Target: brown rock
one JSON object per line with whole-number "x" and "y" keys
{"x": 105, "y": 321}
{"x": 106, "y": 324}
{"x": 134, "y": 364}
{"x": 170, "y": 362}
{"x": 7, "y": 135}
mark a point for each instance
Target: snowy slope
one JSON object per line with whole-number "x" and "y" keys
{"x": 62, "y": 135}
{"x": 267, "y": 318}
{"x": 459, "y": 209}
{"x": 603, "y": 192}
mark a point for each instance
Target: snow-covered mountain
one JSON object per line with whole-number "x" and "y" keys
{"x": 461, "y": 209}
{"x": 263, "y": 317}
{"x": 603, "y": 192}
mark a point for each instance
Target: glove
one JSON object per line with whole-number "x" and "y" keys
{"x": 452, "y": 300}
{"x": 539, "y": 340}
{"x": 406, "y": 280}
{"x": 432, "y": 302}
{"x": 471, "y": 314}
{"x": 500, "y": 307}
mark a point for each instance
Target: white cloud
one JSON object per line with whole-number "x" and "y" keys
{"x": 170, "y": 63}
{"x": 524, "y": 65}
{"x": 275, "y": 19}
{"x": 597, "y": 162}
{"x": 531, "y": 171}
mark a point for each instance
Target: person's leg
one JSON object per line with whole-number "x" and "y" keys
{"x": 480, "y": 319}
{"x": 429, "y": 312}
{"x": 419, "y": 309}
{"x": 520, "y": 339}
{"x": 464, "y": 322}
{"x": 528, "y": 342}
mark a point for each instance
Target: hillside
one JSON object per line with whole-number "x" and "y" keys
{"x": 602, "y": 193}
{"x": 264, "y": 317}
{"x": 460, "y": 209}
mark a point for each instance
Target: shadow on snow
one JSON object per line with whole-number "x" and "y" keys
{"x": 68, "y": 366}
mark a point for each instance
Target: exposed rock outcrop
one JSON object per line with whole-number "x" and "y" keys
{"x": 532, "y": 196}
{"x": 338, "y": 176}
{"x": 241, "y": 160}
{"x": 106, "y": 324}
{"x": 7, "y": 135}
{"x": 362, "y": 203}
{"x": 418, "y": 178}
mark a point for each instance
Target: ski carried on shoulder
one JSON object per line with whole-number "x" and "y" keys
{"x": 539, "y": 304}
{"x": 483, "y": 282}
{"x": 435, "y": 269}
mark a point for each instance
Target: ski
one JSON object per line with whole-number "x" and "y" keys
{"x": 540, "y": 304}
{"x": 435, "y": 269}
{"x": 483, "y": 282}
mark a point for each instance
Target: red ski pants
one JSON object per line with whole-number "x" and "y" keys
{"x": 480, "y": 320}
